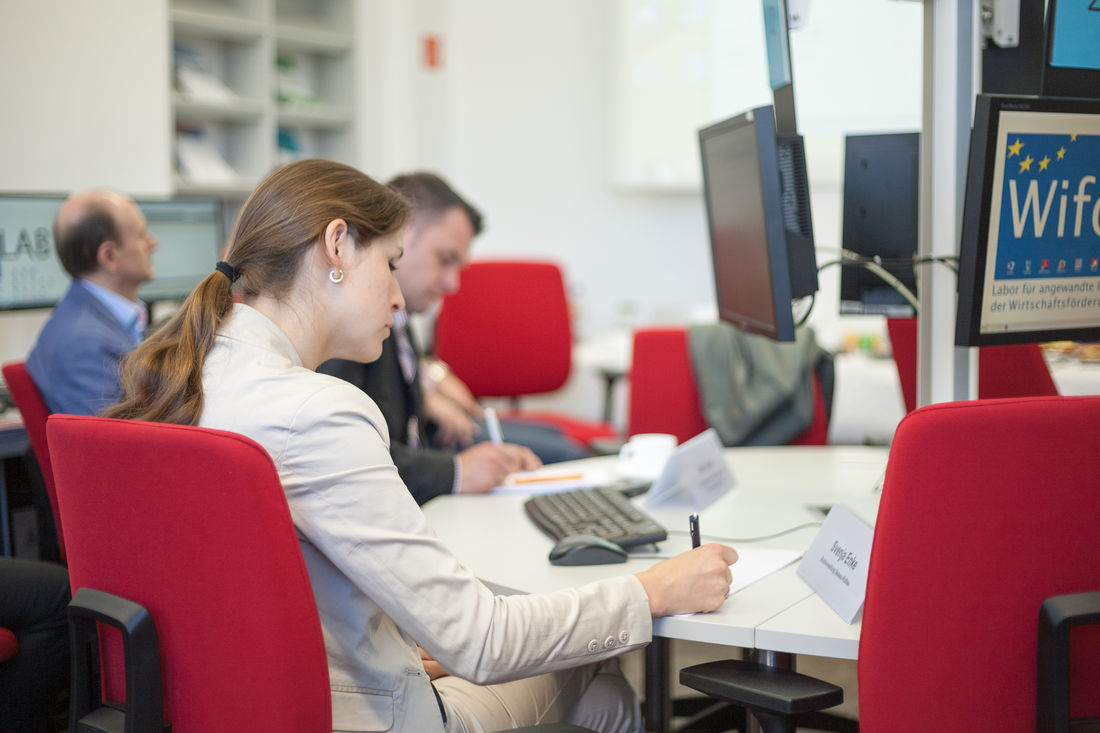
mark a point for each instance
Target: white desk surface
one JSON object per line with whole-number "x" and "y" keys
{"x": 777, "y": 488}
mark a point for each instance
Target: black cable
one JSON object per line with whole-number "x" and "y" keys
{"x": 806, "y": 315}
{"x": 869, "y": 263}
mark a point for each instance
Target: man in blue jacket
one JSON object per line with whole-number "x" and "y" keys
{"x": 103, "y": 242}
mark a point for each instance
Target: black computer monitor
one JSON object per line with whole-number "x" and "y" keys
{"x": 1071, "y": 52}
{"x": 880, "y": 215}
{"x": 30, "y": 274}
{"x": 758, "y": 214}
{"x": 190, "y": 240}
{"x": 189, "y": 233}
{"x": 1029, "y": 258}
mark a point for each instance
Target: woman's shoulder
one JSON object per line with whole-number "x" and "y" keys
{"x": 330, "y": 399}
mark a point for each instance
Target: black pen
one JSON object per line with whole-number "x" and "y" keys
{"x": 693, "y": 524}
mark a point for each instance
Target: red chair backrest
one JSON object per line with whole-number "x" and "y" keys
{"x": 34, "y": 411}
{"x": 1018, "y": 370}
{"x": 818, "y": 432}
{"x": 193, "y": 524}
{"x": 988, "y": 507}
{"x": 663, "y": 395}
{"x": 903, "y": 344}
{"x": 664, "y": 398}
{"x": 506, "y": 332}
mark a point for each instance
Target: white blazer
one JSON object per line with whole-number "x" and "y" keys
{"x": 382, "y": 579}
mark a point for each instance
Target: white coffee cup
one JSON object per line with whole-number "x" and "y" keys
{"x": 644, "y": 455}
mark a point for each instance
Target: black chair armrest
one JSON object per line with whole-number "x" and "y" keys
{"x": 141, "y": 654}
{"x": 1058, "y": 615}
{"x": 775, "y": 696}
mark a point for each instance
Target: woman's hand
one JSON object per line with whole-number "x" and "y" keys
{"x": 431, "y": 666}
{"x": 698, "y": 580}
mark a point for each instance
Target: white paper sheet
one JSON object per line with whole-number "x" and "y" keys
{"x": 755, "y": 563}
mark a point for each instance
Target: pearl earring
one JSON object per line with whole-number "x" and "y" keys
{"x": 333, "y": 277}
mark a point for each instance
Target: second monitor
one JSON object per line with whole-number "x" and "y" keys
{"x": 758, "y": 214}
{"x": 881, "y": 179}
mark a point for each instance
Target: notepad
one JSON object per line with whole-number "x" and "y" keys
{"x": 549, "y": 478}
{"x": 757, "y": 563}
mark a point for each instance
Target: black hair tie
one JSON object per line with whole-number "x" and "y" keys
{"x": 228, "y": 270}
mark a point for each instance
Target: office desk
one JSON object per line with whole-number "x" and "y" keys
{"x": 777, "y": 488}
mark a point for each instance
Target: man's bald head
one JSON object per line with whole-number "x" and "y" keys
{"x": 84, "y": 221}
{"x": 102, "y": 236}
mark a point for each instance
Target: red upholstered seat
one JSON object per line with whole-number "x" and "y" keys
{"x": 988, "y": 513}
{"x": 664, "y": 397}
{"x": 34, "y": 411}
{"x": 987, "y": 509}
{"x": 193, "y": 525}
{"x": 507, "y": 333}
{"x": 1018, "y": 370}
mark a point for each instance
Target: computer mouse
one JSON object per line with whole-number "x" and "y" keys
{"x": 586, "y": 549}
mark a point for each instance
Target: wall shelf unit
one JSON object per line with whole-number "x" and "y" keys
{"x": 257, "y": 83}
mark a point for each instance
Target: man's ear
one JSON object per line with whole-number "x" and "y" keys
{"x": 106, "y": 255}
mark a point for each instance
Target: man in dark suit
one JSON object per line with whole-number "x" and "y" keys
{"x": 103, "y": 242}
{"x": 431, "y": 414}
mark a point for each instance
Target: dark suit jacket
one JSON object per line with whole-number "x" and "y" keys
{"x": 75, "y": 361}
{"x": 427, "y": 472}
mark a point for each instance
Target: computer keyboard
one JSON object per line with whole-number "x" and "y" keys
{"x": 602, "y": 511}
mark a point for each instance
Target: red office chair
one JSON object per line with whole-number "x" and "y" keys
{"x": 663, "y": 395}
{"x": 181, "y": 538}
{"x": 1018, "y": 370}
{"x": 34, "y": 411}
{"x": 987, "y": 510}
{"x": 665, "y": 399}
{"x": 193, "y": 525}
{"x": 507, "y": 333}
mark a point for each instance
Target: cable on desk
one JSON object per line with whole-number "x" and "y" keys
{"x": 745, "y": 540}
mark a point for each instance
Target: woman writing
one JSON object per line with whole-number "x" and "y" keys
{"x": 312, "y": 256}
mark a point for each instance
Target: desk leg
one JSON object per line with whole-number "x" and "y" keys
{"x": 781, "y": 660}
{"x": 609, "y": 378}
{"x": 657, "y": 710}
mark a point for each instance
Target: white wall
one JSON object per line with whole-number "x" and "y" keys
{"x": 85, "y": 96}
{"x": 521, "y": 118}
{"x": 85, "y": 104}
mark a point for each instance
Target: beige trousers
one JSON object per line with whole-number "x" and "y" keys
{"x": 594, "y": 696}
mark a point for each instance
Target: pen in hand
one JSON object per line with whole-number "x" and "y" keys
{"x": 492, "y": 424}
{"x": 693, "y": 525}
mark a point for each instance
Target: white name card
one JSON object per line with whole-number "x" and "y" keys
{"x": 696, "y": 473}
{"x": 835, "y": 566}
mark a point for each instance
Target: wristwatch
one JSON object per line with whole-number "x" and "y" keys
{"x": 436, "y": 370}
